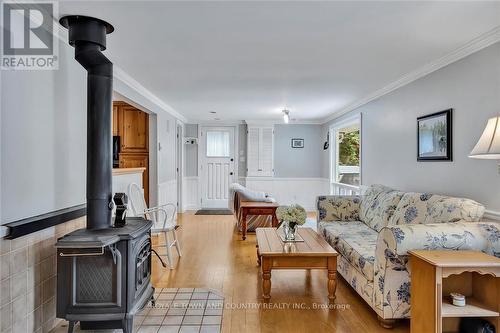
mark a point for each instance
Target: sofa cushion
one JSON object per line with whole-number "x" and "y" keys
{"x": 378, "y": 206}
{"x": 355, "y": 241}
{"x": 424, "y": 208}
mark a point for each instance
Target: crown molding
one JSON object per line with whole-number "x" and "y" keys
{"x": 61, "y": 33}
{"x": 125, "y": 78}
{"x": 489, "y": 38}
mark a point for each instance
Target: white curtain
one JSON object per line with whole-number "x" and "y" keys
{"x": 217, "y": 144}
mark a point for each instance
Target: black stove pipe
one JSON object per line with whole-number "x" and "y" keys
{"x": 88, "y": 36}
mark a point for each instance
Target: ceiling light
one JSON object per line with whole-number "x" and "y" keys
{"x": 286, "y": 116}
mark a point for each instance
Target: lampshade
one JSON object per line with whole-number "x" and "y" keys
{"x": 488, "y": 146}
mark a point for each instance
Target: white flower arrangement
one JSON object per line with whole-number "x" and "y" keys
{"x": 292, "y": 214}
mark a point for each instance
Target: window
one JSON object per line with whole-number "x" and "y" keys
{"x": 345, "y": 158}
{"x": 218, "y": 144}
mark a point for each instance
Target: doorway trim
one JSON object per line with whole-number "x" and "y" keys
{"x": 179, "y": 158}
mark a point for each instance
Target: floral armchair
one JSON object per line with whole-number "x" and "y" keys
{"x": 374, "y": 232}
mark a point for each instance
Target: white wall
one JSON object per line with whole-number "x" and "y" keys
{"x": 287, "y": 191}
{"x": 167, "y": 181}
{"x": 43, "y": 138}
{"x": 471, "y": 87}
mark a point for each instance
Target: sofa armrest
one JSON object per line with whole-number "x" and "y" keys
{"x": 480, "y": 236}
{"x": 331, "y": 208}
{"x": 391, "y": 295}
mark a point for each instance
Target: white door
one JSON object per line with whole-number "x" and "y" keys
{"x": 217, "y": 165}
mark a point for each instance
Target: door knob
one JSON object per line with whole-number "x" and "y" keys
{"x": 232, "y": 159}
{"x": 231, "y": 173}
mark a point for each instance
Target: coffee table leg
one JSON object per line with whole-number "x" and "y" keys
{"x": 332, "y": 278}
{"x": 266, "y": 278}
{"x": 244, "y": 225}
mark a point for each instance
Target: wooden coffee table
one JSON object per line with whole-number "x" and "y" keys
{"x": 313, "y": 253}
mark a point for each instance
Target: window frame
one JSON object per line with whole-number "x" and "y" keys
{"x": 228, "y": 142}
{"x": 354, "y": 119}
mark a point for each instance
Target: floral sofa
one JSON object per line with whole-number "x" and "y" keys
{"x": 374, "y": 232}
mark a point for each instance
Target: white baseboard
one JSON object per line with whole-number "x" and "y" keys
{"x": 286, "y": 191}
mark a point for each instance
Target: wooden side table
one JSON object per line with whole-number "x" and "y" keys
{"x": 436, "y": 274}
{"x": 256, "y": 208}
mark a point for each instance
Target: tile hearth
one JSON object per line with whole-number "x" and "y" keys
{"x": 177, "y": 310}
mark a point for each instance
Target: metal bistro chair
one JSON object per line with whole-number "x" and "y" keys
{"x": 163, "y": 223}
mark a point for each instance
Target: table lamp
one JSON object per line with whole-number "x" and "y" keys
{"x": 488, "y": 146}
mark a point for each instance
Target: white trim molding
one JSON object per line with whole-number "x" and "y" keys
{"x": 489, "y": 38}
{"x": 122, "y": 76}
{"x": 492, "y": 215}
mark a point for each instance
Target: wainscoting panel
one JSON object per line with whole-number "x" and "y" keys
{"x": 190, "y": 193}
{"x": 167, "y": 192}
{"x": 302, "y": 191}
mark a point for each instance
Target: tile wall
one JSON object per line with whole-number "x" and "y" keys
{"x": 28, "y": 280}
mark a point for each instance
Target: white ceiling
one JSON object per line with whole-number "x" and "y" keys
{"x": 248, "y": 60}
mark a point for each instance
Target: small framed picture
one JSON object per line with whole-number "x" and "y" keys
{"x": 434, "y": 137}
{"x": 297, "y": 143}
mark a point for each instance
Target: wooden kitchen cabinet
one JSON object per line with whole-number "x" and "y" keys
{"x": 138, "y": 161}
{"x": 134, "y": 130}
{"x": 132, "y": 126}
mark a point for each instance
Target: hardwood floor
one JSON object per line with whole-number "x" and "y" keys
{"x": 214, "y": 256}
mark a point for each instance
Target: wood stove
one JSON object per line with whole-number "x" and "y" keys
{"x": 104, "y": 276}
{"x": 103, "y": 271}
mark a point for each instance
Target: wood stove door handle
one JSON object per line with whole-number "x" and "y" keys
{"x": 62, "y": 254}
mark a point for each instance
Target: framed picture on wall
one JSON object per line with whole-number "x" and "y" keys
{"x": 434, "y": 136}
{"x": 297, "y": 143}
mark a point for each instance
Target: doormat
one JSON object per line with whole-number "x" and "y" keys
{"x": 214, "y": 212}
{"x": 176, "y": 310}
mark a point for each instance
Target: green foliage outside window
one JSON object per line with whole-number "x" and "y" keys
{"x": 349, "y": 148}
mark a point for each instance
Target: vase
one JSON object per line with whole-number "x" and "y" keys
{"x": 289, "y": 228}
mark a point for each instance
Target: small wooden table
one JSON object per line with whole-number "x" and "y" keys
{"x": 435, "y": 274}
{"x": 256, "y": 208}
{"x": 313, "y": 253}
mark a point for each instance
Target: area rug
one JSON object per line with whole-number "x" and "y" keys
{"x": 177, "y": 310}
{"x": 214, "y": 212}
